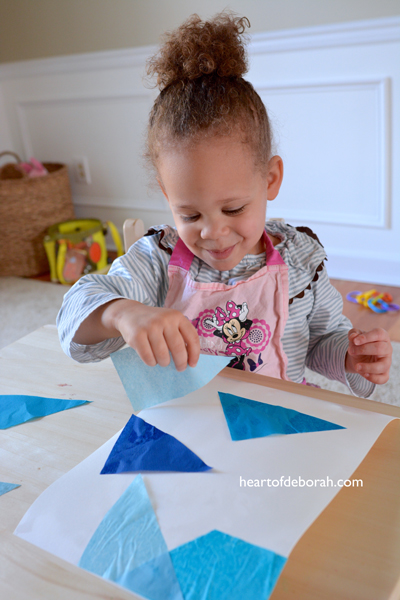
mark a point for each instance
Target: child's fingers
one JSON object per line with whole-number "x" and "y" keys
{"x": 378, "y": 378}
{"x": 353, "y": 333}
{"x": 370, "y": 354}
{"x": 375, "y": 335}
{"x": 192, "y": 342}
{"x": 160, "y": 348}
{"x": 177, "y": 347}
{"x": 143, "y": 348}
{"x": 379, "y": 367}
{"x": 382, "y": 348}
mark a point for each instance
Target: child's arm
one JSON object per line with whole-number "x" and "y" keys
{"x": 153, "y": 332}
{"x": 328, "y": 341}
{"x": 369, "y": 354}
{"x": 140, "y": 275}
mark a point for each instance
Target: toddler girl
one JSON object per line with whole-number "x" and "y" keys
{"x": 224, "y": 281}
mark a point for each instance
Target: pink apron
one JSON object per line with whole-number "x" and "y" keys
{"x": 245, "y": 320}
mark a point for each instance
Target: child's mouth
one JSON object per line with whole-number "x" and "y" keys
{"x": 221, "y": 254}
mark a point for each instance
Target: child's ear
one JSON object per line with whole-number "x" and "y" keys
{"x": 274, "y": 177}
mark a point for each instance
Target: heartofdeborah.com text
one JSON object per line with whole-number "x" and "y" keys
{"x": 299, "y": 482}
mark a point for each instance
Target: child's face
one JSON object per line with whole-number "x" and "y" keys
{"x": 218, "y": 199}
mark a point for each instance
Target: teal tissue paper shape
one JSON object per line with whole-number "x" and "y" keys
{"x": 17, "y": 409}
{"x": 248, "y": 419}
{"x": 217, "y": 566}
{"x": 7, "y": 487}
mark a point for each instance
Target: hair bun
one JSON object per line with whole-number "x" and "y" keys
{"x": 199, "y": 48}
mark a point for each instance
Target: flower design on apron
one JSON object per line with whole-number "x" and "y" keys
{"x": 245, "y": 320}
{"x": 241, "y": 335}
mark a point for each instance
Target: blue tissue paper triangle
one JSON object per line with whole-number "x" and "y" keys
{"x": 218, "y": 566}
{"x": 251, "y": 419}
{"x": 19, "y": 408}
{"x": 7, "y": 487}
{"x": 143, "y": 447}
{"x": 129, "y": 548}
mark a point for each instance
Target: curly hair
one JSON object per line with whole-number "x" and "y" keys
{"x": 199, "y": 71}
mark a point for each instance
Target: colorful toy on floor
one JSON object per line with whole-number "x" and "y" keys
{"x": 377, "y": 301}
{"x": 78, "y": 247}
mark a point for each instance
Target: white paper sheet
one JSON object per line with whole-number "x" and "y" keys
{"x": 187, "y": 505}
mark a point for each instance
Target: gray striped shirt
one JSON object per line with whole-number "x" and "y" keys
{"x": 316, "y": 331}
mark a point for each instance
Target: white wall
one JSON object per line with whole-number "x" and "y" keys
{"x": 333, "y": 93}
{"x": 43, "y": 28}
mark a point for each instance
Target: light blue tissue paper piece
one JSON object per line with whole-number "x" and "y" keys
{"x": 147, "y": 386}
{"x": 217, "y": 566}
{"x": 251, "y": 419}
{"x": 17, "y": 409}
{"x": 128, "y": 539}
{"x": 7, "y": 487}
{"x": 155, "y": 580}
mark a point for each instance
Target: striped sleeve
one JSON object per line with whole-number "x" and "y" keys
{"x": 141, "y": 274}
{"x": 328, "y": 341}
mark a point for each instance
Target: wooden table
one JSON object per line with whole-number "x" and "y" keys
{"x": 352, "y": 551}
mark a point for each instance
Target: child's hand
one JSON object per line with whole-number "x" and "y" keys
{"x": 155, "y": 332}
{"x": 369, "y": 354}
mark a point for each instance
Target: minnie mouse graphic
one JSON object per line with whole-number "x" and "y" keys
{"x": 242, "y": 336}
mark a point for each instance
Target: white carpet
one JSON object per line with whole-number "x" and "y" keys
{"x": 389, "y": 393}
{"x": 26, "y": 305}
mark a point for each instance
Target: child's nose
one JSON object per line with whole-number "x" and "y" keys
{"x": 213, "y": 229}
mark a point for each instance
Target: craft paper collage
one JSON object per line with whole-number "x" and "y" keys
{"x": 214, "y": 512}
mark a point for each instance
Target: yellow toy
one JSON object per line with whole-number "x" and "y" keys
{"x": 77, "y": 247}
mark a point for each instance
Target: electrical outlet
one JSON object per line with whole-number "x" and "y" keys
{"x": 80, "y": 166}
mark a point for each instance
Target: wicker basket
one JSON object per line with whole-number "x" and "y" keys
{"x": 28, "y": 206}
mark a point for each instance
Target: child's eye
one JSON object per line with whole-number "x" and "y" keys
{"x": 189, "y": 219}
{"x": 192, "y": 218}
{"x": 236, "y": 211}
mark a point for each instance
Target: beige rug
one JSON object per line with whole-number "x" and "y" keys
{"x": 26, "y": 305}
{"x": 389, "y": 393}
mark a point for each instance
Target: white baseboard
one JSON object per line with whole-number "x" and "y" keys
{"x": 381, "y": 271}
